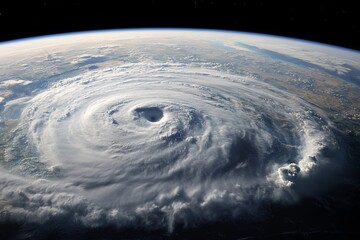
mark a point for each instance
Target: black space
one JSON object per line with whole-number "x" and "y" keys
{"x": 333, "y": 22}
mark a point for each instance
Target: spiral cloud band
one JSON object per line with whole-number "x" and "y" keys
{"x": 162, "y": 145}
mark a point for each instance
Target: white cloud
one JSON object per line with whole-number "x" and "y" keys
{"x": 156, "y": 144}
{"x": 13, "y": 82}
{"x": 115, "y": 145}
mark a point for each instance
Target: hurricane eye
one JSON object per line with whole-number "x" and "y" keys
{"x": 151, "y": 114}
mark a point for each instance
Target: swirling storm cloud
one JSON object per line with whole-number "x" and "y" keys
{"x": 156, "y": 144}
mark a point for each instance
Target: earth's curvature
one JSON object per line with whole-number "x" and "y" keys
{"x": 169, "y": 133}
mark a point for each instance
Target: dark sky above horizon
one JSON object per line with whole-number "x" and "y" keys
{"x": 332, "y": 22}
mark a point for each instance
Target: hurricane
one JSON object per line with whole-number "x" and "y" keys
{"x": 161, "y": 145}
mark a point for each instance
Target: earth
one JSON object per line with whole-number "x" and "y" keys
{"x": 175, "y": 133}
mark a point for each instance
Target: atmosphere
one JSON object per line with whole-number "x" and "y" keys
{"x": 332, "y": 22}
